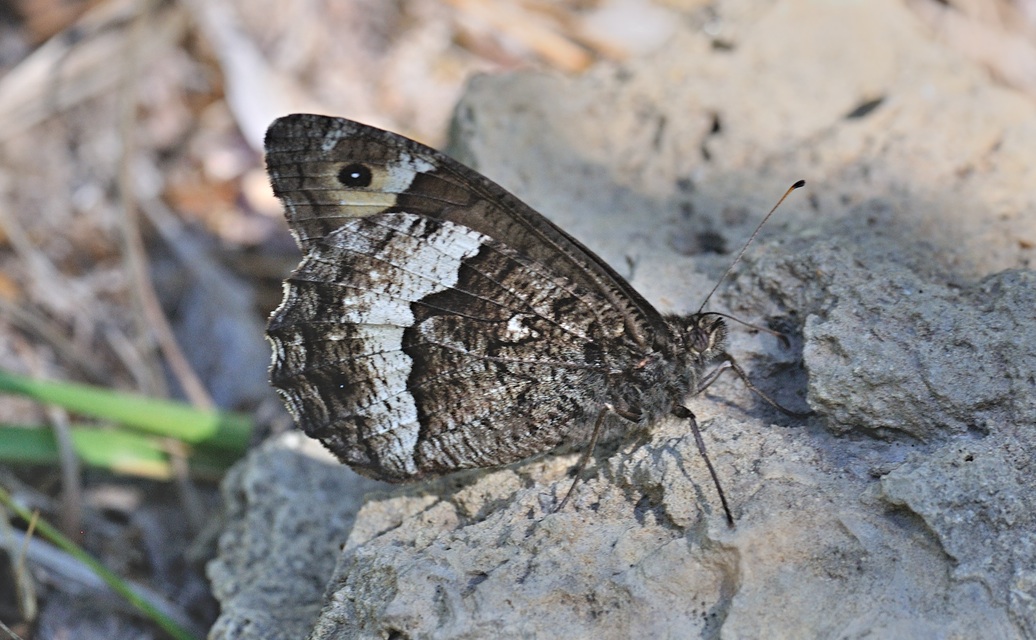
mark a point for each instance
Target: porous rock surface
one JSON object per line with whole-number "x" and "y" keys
{"x": 905, "y": 507}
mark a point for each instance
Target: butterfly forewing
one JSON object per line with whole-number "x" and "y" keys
{"x": 326, "y": 169}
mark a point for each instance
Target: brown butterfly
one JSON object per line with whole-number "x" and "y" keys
{"x": 438, "y": 323}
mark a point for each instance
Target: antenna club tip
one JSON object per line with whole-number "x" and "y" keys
{"x": 799, "y": 184}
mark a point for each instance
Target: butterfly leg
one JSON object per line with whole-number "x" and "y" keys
{"x": 598, "y": 424}
{"x": 684, "y": 413}
{"x": 709, "y": 379}
{"x": 729, "y": 363}
{"x": 680, "y": 412}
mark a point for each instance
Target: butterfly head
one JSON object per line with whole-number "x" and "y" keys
{"x": 704, "y": 336}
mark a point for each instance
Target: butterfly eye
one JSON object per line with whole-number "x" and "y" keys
{"x": 706, "y": 333}
{"x": 355, "y": 175}
{"x": 699, "y": 339}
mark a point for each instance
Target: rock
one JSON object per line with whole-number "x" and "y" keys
{"x": 903, "y": 508}
{"x": 289, "y": 507}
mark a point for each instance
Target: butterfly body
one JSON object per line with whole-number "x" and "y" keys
{"x": 438, "y": 323}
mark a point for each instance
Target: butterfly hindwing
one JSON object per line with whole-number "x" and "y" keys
{"x": 413, "y": 346}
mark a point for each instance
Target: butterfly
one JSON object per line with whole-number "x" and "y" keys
{"x": 438, "y": 323}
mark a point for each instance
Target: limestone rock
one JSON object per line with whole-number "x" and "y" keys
{"x": 903, "y": 508}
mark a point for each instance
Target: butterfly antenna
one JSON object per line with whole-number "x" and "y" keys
{"x": 797, "y": 185}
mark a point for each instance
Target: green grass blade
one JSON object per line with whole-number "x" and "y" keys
{"x": 118, "y": 451}
{"x": 223, "y": 429}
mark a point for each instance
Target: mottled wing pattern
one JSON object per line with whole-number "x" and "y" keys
{"x": 308, "y": 155}
{"x": 414, "y": 344}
